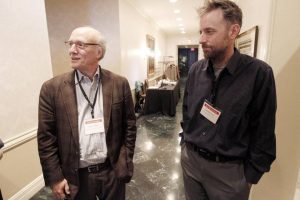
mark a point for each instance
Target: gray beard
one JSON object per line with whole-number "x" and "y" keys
{"x": 216, "y": 55}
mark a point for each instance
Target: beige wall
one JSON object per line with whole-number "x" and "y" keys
{"x": 284, "y": 58}
{"x": 64, "y": 15}
{"x": 19, "y": 167}
{"x": 25, "y": 64}
{"x": 133, "y": 30}
{"x": 258, "y": 13}
{"x": 279, "y": 45}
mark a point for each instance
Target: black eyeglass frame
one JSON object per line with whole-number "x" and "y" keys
{"x": 80, "y": 45}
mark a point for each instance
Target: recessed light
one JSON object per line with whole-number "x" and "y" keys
{"x": 172, "y": 1}
{"x": 180, "y": 24}
{"x": 179, "y": 19}
{"x": 183, "y": 32}
{"x": 176, "y": 11}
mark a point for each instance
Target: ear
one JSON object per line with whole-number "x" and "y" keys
{"x": 234, "y": 31}
{"x": 100, "y": 52}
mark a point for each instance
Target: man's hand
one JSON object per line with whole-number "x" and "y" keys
{"x": 61, "y": 189}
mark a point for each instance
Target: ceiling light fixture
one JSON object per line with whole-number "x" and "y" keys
{"x": 176, "y": 11}
{"x": 179, "y": 19}
{"x": 172, "y": 1}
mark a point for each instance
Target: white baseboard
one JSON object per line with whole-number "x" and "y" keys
{"x": 30, "y": 190}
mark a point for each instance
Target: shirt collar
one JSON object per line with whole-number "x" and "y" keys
{"x": 82, "y": 76}
{"x": 233, "y": 62}
{"x": 231, "y": 66}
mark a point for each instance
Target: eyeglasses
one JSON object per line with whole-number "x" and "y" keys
{"x": 80, "y": 45}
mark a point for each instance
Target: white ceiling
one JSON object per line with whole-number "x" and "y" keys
{"x": 162, "y": 12}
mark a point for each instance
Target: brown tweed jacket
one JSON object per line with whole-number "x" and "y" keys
{"x": 58, "y": 137}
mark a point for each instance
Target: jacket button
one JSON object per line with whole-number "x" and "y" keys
{"x": 203, "y": 133}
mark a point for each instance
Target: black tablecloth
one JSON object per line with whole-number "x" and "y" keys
{"x": 163, "y": 99}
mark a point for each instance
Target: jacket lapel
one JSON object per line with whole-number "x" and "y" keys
{"x": 107, "y": 90}
{"x": 69, "y": 99}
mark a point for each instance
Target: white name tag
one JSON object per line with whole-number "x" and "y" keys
{"x": 210, "y": 113}
{"x": 94, "y": 126}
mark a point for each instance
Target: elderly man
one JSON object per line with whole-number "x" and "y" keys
{"x": 228, "y": 112}
{"x": 87, "y": 125}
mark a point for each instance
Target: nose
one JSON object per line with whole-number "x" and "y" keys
{"x": 202, "y": 38}
{"x": 72, "y": 49}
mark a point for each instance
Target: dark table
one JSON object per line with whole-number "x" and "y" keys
{"x": 163, "y": 99}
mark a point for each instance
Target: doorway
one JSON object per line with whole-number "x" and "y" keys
{"x": 187, "y": 55}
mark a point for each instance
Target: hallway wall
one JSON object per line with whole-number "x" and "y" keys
{"x": 134, "y": 27}
{"x": 284, "y": 58}
{"x": 278, "y": 44}
{"x": 258, "y": 13}
{"x": 25, "y": 64}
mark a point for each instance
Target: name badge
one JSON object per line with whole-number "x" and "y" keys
{"x": 210, "y": 113}
{"x": 94, "y": 126}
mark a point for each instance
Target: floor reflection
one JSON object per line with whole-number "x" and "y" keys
{"x": 157, "y": 170}
{"x": 157, "y": 159}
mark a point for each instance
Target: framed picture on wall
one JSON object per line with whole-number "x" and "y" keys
{"x": 150, "y": 57}
{"x": 246, "y": 42}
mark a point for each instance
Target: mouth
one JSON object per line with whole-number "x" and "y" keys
{"x": 74, "y": 59}
{"x": 206, "y": 48}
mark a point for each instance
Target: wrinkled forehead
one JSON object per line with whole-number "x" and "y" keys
{"x": 84, "y": 34}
